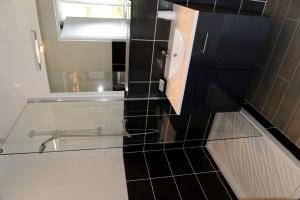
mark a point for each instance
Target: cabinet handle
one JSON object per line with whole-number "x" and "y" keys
{"x": 36, "y": 52}
{"x": 205, "y": 43}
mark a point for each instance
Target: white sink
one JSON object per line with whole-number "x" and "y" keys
{"x": 177, "y": 54}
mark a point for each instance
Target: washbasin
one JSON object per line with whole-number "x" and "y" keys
{"x": 177, "y": 54}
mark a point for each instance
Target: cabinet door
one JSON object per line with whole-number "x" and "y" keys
{"x": 228, "y": 41}
{"x": 241, "y": 41}
{"x": 215, "y": 90}
{"x": 208, "y": 33}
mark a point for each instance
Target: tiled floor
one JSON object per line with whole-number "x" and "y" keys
{"x": 183, "y": 174}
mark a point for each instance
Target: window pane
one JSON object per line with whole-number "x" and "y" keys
{"x": 90, "y": 10}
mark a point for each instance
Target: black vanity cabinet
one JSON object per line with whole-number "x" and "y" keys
{"x": 225, "y": 52}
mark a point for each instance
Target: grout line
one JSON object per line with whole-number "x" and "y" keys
{"x": 177, "y": 175}
{"x": 187, "y": 130}
{"x": 152, "y": 150}
{"x": 283, "y": 79}
{"x": 263, "y": 11}
{"x": 272, "y": 52}
{"x": 215, "y": 6}
{"x": 149, "y": 89}
{"x": 172, "y": 174}
{"x": 149, "y": 40}
{"x": 291, "y": 117}
{"x": 285, "y": 92}
{"x": 167, "y": 129}
{"x": 217, "y": 173}
{"x": 194, "y": 173}
{"x": 149, "y": 176}
{"x": 206, "y": 129}
{"x": 280, "y": 67}
{"x": 241, "y": 5}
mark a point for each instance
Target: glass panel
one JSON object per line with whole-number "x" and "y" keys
{"x": 232, "y": 125}
{"x": 67, "y": 126}
{"x": 63, "y": 126}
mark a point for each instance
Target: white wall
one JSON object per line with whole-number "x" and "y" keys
{"x": 19, "y": 78}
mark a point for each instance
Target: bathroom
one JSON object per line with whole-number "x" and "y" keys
{"x": 149, "y": 99}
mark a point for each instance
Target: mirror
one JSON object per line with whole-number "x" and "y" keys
{"x": 84, "y": 44}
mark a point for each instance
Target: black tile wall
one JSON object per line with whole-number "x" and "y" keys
{"x": 275, "y": 89}
{"x": 143, "y": 17}
{"x": 149, "y": 36}
{"x": 140, "y": 58}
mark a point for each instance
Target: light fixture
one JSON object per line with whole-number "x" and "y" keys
{"x": 100, "y": 88}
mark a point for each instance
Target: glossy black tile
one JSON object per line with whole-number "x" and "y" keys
{"x": 157, "y": 164}
{"x": 210, "y": 159}
{"x": 135, "y": 166}
{"x": 212, "y": 186}
{"x": 209, "y": 125}
{"x": 154, "y": 146}
{"x": 189, "y": 188}
{"x": 174, "y": 145}
{"x": 252, "y": 7}
{"x": 134, "y": 139}
{"x": 177, "y": 127}
{"x": 143, "y": 16}
{"x": 154, "y": 90}
{"x": 138, "y": 90}
{"x": 135, "y": 124}
{"x": 178, "y": 162}
{"x": 165, "y": 188}
{"x": 135, "y": 108}
{"x": 133, "y": 148}
{"x": 158, "y": 67}
{"x": 159, "y": 107}
{"x": 202, "y": 5}
{"x": 118, "y": 52}
{"x": 162, "y": 29}
{"x": 156, "y": 126}
{"x": 140, "y": 66}
{"x": 138, "y": 190}
{"x": 198, "y": 160}
{"x": 193, "y": 143}
{"x": 228, "y": 188}
{"x": 228, "y": 6}
{"x": 261, "y": 119}
{"x": 197, "y": 126}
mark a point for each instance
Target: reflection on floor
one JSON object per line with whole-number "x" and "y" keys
{"x": 183, "y": 174}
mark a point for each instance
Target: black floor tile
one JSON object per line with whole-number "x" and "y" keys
{"x": 133, "y": 148}
{"x": 157, "y": 164}
{"x": 135, "y": 166}
{"x": 189, "y": 187}
{"x": 138, "y": 190}
{"x": 212, "y": 186}
{"x": 210, "y": 158}
{"x": 179, "y": 162}
{"x": 198, "y": 160}
{"x": 229, "y": 190}
{"x": 174, "y": 145}
{"x": 193, "y": 143}
{"x": 165, "y": 189}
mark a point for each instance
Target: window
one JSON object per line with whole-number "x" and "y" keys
{"x": 114, "y": 9}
